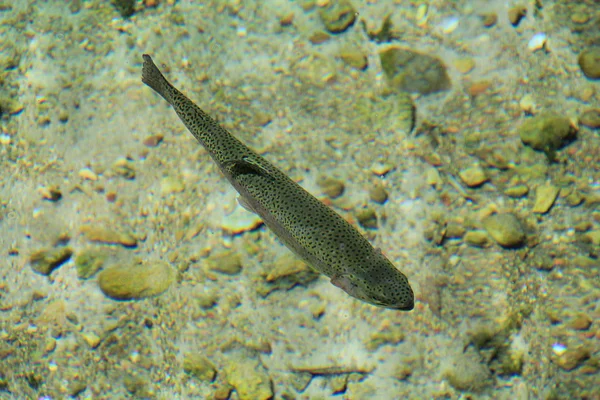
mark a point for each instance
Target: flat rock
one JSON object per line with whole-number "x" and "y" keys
{"x": 131, "y": 282}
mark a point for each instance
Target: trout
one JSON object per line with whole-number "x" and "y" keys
{"x": 313, "y": 231}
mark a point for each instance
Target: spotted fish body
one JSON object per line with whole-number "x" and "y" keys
{"x": 316, "y": 233}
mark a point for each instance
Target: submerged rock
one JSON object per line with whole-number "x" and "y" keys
{"x": 505, "y": 229}
{"x": 546, "y": 132}
{"x": 414, "y": 72}
{"x": 337, "y": 15}
{"x": 130, "y": 282}
{"x": 589, "y": 62}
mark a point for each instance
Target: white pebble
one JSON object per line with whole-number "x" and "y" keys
{"x": 449, "y": 24}
{"x": 537, "y": 42}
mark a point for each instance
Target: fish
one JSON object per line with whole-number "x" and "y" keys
{"x": 313, "y": 231}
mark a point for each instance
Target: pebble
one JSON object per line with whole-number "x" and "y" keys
{"x": 337, "y": 15}
{"x": 249, "y": 378}
{"x": 367, "y": 218}
{"x": 50, "y": 193}
{"x": 580, "y": 322}
{"x": 91, "y": 339}
{"x": 527, "y": 104}
{"x": 477, "y": 238}
{"x": 319, "y": 37}
{"x": 489, "y": 19}
{"x": 130, "y": 282}
{"x": 516, "y": 14}
{"x": 537, "y": 42}
{"x": 47, "y": 260}
{"x": 454, "y": 230}
{"x": 449, "y": 24}
{"x": 580, "y": 17}
{"x": 505, "y": 229}
{"x": 590, "y": 118}
{"x": 332, "y": 187}
{"x": 464, "y": 65}
{"x": 100, "y": 234}
{"x": 517, "y": 191}
{"x": 153, "y": 140}
{"x": 199, "y": 366}
{"x": 228, "y": 262}
{"x": 378, "y": 194}
{"x": 287, "y": 272}
{"x": 545, "y": 196}
{"x": 574, "y": 198}
{"x": 546, "y": 132}
{"x": 473, "y": 176}
{"x": 572, "y": 358}
{"x": 124, "y": 167}
{"x": 380, "y": 168}
{"x": 88, "y": 174}
{"x": 354, "y": 58}
{"x": 88, "y": 262}
{"x": 422, "y": 14}
{"x": 589, "y": 62}
{"x": 240, "y": 220}
{"x": 479, "y": 87}
{"x": 414, "y": 72}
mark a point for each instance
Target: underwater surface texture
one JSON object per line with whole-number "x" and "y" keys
{"x": 461, "y": 139}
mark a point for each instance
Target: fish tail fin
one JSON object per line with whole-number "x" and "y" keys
{"x": 152, "y": 77}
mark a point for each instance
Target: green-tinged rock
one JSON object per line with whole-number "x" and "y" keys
{"x": 517, "y": 191}
{"x": 547, "y": 133}
{"x": 88, "y": 262}
{"x": 378, "y": 194}
{"x": 505, "y": 229}
{"x": 125, "y": 168}
{"x": 414, "y": 72}
{"x": 332, "y": 187}
{"x": 228, "y": 262}
{"x": 454, "y": 231}
{"x": 47, "y": 260}
{"x": 477, "y": 238}
{"x": 286, "y": 273}
{"x": 585, "y": 262}
{"x": 592, "y": 237}
{"x": 589, "y": 62}
{"x": 545, "y": 196}
{"x": 473, "y": 176}
{"x": 385, "y": 33}
{"x": 367, "y": 218}
{"x": 354, "y": 58}
{"x": 338, "y": 383}
{"x": 590, "y": 118}
{"x": 130, "y": 282}
{"x": 98, "y": 233}
{"x": 572, "y": 357}
{"x": 249, "y": 378}
{"x": 199, "y": 366}
{"x": 337, "y": 15}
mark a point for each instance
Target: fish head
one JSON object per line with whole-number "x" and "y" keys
{"x": 394, "y": 293}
